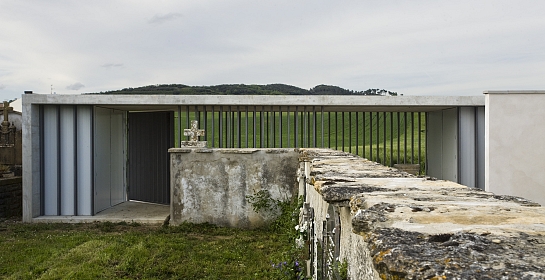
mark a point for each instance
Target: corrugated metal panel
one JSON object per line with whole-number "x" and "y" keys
{"x": 84, "y": 160}
{"x": 150, "y": 136}
{"x": 51, "y": 160}
{"x": 67, "y": 160}
{"x": 102, "y": 158}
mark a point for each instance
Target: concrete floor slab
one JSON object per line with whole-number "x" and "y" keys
{"x": 128, "y": 211}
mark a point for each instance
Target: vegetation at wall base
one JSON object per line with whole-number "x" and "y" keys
{"x": 135, "y": 251}
{"x": 291, "y": 264}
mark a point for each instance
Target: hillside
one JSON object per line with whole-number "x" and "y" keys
{"x": 241, "y": 89}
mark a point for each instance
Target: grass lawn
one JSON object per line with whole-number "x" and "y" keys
{"x": 134, "y": 251}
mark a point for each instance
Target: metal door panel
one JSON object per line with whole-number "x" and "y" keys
{"x": 150, "y": 136}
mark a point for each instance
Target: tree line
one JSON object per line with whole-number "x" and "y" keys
{"x": 242, "y": 89}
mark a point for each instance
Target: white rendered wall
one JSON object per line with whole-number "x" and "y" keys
{"x": 515, "y": 150}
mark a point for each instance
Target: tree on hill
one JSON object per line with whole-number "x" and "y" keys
{"x": 241, "y": 89}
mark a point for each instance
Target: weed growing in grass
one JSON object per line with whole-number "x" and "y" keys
{"x": 290, "y": 266}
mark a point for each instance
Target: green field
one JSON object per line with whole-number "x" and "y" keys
{"x": 371, "y": 135}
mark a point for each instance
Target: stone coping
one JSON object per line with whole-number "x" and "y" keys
{"x": 420, "y": 227}
{"x": 232, "y": 150}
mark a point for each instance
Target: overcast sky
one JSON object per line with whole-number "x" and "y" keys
{"x": 411, "y": 47}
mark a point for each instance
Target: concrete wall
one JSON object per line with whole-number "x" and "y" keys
{"x": 515, "y": 149}
{"x": 211, "y": 185}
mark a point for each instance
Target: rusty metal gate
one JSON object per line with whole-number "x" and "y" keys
{"x": 151, "y": 134}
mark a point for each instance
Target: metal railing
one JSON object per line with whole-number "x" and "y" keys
{"x": 385, "y": 137}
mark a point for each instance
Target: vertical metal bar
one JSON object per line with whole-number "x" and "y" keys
{"x": 239, "y": 128}
{"x": 308, "y": 128}
{"x": 426, "y": 118}
{"x": 342, "y": 127}
{"x": 398, "y": 137}
{"x": 233, "y": 129}
{"x": 419, "y": 138}
{"x": 371, "y": 136}
{"x": 280, "y": 128}
{"x": 412, "y": 137}
{"x": 228, "y": 126}
{"x": 364, "y": 128}
{"x": 378, "y": 137}
{"x": 302, "y": 118}
{"x": 384, "y": 138}
{"x": 350, "y": 132}
{"x": 288, "y": 126}
{"x": 336, "y": 132}
{"x": 198, "y": 115}
{"x": 314, "y": 126}
{"x": 261, "y": 128}
{"x": 267, "y": 130}
{"x": 295, "y": 126}
{"x": 254, "y": 132}
{"x": 273, "y": 128}
{"x": 246, "y": 126}
{"x": 303, "y": 127}
{"x": 205, "y": 123}
{"x": 220, "y": 128}
{"x": 329, "y": 130}
{"x": 322, "y": 117}
{"x": 405, "y": 144}
{"x": 180, "y": 133}
{"x": 357, "y": 132}
{"x": 213, "y": 128}
{"x": 391, "y": 139}
{"x": 187, "y": 120}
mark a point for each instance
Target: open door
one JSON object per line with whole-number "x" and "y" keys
{"x": 151, "y": 134}
{"x": 109, "y": 158}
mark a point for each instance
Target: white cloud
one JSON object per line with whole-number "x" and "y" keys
{"x": 75, "y": 86}
{"x": 111, "y": 65}
{"x": 417, "y": 47}
{"x": 2, "y": 86}
{"x": 158, "y": 19}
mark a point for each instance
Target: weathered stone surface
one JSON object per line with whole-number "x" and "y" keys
{"x": 422, "y": 228}
{"x": 211, "y": 185}
{"x": 459, "y": 255}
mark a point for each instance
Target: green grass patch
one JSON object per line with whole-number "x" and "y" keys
{"x": 388, "y": 138}
{"x": 133, "y": 251}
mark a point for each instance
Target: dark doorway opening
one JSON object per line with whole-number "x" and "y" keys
{"x": 151, "y": 134}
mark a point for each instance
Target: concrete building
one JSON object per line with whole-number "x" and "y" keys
{"x": 79, "y": 153}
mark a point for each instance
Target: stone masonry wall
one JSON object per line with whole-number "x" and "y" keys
{"x": 212, "y": 185}
{"x": 387, "y": 224}
{"x": 11, "y": 197}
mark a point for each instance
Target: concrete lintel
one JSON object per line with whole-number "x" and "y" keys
{"x": 162, "y": 102}
{"x": 514, "y": 92}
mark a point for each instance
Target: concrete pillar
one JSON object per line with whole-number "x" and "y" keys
{"x": 514, "y": 149}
